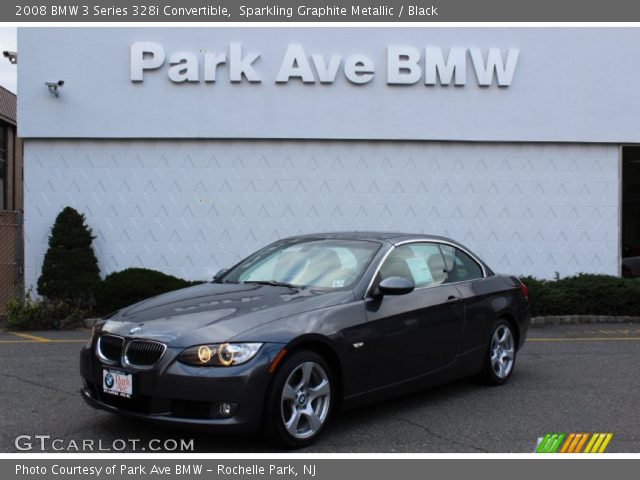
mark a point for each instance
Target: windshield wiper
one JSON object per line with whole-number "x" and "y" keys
{"x": 275, "y": 283}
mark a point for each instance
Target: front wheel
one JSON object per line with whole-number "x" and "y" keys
{"x": 299, "y": 400}
{"x": 501, "y": 356}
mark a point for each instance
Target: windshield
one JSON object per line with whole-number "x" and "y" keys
{"x": 324, "y": 263}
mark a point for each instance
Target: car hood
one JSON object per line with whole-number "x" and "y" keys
{"x": 215, "y": 312}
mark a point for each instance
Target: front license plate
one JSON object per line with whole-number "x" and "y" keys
{"x": 117, "y": 383}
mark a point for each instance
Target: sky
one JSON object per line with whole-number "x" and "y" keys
{"x": 8, "y": 72}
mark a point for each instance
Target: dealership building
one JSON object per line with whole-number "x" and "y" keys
{"x": 188, "y": 148}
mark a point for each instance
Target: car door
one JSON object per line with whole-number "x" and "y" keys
{"x": 415, "y": 333}
{"x": 476, "y": 296}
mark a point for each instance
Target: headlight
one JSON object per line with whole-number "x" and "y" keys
{"x": 219, "y": 355}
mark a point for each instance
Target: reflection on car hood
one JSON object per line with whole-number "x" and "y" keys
{"x": 214, "y": 312}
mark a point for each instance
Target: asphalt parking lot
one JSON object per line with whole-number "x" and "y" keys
{"x": 574, "y": 378}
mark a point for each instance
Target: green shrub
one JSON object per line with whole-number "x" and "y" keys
{"x": 584, "y": 294}
{"x": 120, "y": 289}
{"x": 70, "y": 270}
{"x": 29, "y": 314}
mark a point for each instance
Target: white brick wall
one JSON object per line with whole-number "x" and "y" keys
{"x": 191, "y": 207}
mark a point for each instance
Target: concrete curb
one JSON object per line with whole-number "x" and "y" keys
{"x": 582, "y": 319}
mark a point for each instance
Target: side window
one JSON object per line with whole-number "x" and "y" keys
{"x": 422, "y": 263}
{"x": 460, "y": 266}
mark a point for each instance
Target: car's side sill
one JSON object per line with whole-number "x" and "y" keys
{"x": 466, "y": 364}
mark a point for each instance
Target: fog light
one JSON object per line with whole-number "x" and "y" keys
{"x": 226, "y": 409}
{"x": 223, "y": 410}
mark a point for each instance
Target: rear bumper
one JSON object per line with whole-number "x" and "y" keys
{"x": 180, "y": 395}
{"x": 524, "y": 321}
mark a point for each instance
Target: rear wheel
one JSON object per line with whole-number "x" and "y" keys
{"x": 501, "y": 355}
{"x": 299, "y": 400}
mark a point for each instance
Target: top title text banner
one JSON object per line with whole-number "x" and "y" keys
{"x": 318, "y": 11}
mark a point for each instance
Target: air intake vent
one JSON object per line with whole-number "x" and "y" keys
{"x": 143, "y": 353}
{"x": 109, "y": 348}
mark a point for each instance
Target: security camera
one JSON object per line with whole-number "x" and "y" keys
{"x": 11, "y": 56}
{"x": 53, "y": 87}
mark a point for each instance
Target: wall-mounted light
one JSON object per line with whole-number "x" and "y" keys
{"x": 11, "y": 56}
{"x": 54, "y": 86}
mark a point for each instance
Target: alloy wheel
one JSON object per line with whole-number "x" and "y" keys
{"x": 305, "y": 400}
{"x": 502, "y": 351}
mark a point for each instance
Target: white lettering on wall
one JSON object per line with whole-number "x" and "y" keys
{"x": 184, "y": 67}
{"x": 406, "y": 65}
{"x": 295, "y": 65}
{"x": 437, "y": 68}
{"x": 211, "y": 63}
{"x": 484, "y": 71}
{"x": 358, "y": 69}
{"x": 144, "y": 56}
{"x": 402, "y": 65}
{"x": 239, "y": 65}
{"x": 326, "y": 73}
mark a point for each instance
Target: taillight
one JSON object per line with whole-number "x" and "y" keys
{"x": 524, "y": 290}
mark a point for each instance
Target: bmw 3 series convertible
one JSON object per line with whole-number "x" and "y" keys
{"x": 305, "y": 327}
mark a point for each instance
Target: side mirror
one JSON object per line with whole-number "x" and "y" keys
{"x": 396, "y": 286}
{"x": 220, "y": 273}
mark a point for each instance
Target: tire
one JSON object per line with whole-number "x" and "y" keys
{"x": 299, "y": 400}
{"x": 500, "y": 358}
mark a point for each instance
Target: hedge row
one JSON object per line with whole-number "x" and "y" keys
{"x": 132, "y": 285}
{"x": 117, "y": 290}
{"x": 584, "y": 294}
{"x": 30, "y": 314}
{"x": 578, "y": 295}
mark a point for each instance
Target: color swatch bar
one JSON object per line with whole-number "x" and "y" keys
{"x": 574, "y": 443}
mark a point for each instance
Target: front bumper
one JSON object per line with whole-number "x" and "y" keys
{"x": 172, "y": 393}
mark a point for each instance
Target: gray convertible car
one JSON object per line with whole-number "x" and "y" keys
{"x": 305, "y": 327}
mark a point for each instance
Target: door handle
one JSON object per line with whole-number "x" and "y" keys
{"x": 453, "y": 299}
